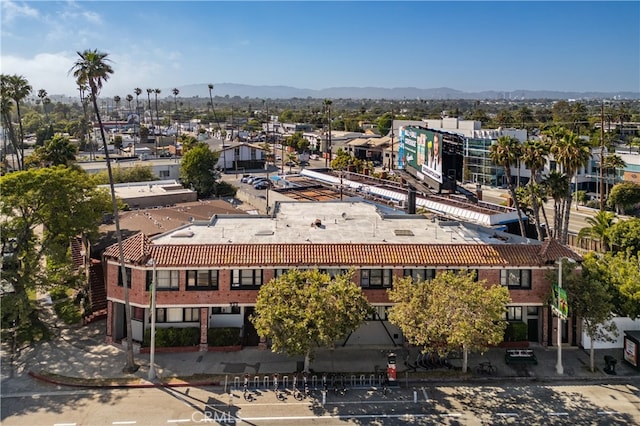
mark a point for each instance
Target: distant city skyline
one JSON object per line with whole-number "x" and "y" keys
{"x": 468, "y": 46}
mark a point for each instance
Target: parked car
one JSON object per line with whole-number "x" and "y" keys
{"x": 246, "y": 178}
{"x": 260, "y": 179}
{"x": 263, "y": 184}
{"x": 252, "y": 179}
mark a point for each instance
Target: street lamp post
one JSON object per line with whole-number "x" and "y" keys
{"x": 152, "y": 349}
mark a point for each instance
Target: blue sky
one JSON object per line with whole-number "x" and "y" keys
{"x": 469, "y": 46}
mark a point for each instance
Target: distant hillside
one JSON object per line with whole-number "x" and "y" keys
{"x": 286, "y": 92}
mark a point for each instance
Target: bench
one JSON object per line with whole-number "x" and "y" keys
{"x": 520, "y": 355}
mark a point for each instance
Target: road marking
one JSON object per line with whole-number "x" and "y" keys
{"x": 558, "y": 414}
{"x": 335, "y": 417}
{"x": 178, "y": 421}
{"x": 507, "y": 414}
{"x": 64, "y": 424}
{"x": 426, "y": 397}
{"x": 450, "y": 415}
{"x": 604, "y": 413}
{"x": 125, "y": 422}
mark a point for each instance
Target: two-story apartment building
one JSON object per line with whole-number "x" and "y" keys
{"x": 208, "y": 273}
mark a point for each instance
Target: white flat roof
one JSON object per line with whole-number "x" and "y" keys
{"x": 333, "y": 222}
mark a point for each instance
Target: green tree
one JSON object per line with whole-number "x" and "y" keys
{"x": 63, "y": 203}
{"x": 137, "y": 173}
{"x": 93, "y": 68}
{"x": 197, "y": 170}
{"x": 556, "y": 185}
{"x": 16, "y": 88}
{"x": 302, "y": 310}
{"x": 534, "y": 153}
{"x": 505, "y": 153}
{"x": 624, "y": 278}
{"x": 384, "y": 123}
{"x": 599, "y": 228}
{"x": 450, "y": 312}
{"x": 624, "y": 237}
{"x": 571, "y": 153}
{"x": 590, "y": 299}
{"x": 624, "y": 196}
{"x": 55, "y": 152}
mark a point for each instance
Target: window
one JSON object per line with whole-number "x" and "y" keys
{"x": 466, "y": 271}
{"x": 137, "y": 314}
{"x": 376, "y": 278}
{"x": 379, "y": 313}
{"x": 279, "y": 272}
{"x": 333, "y": 272}
{"x": 177, "y": 314}
{"x": 163, "y": 174}
{"x": 515, "y": 278}
{"x": 419, "y": 274}
{"x": 222, "y": 310}
{"x": 246, "y": 278}
{"x": 168, "y": 280}
{"x": 202, "y": 279}
{"x": 191, "y": 314}
{"x": 514, "y": 313}
{"x": 128, "y": 273}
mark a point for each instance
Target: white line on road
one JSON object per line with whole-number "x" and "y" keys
{"x": 178, "y": 421}
{"x": 604, "y": 413}
{"x": 335, "y": 417}
{"x": 64, "y": 424}
{"x": 507, "y": 414}
{"x": 558, "y": 414}
{"x": 450, "y": 415}
{"x": 426, "y": 397}
{"x": 124, "y": 422}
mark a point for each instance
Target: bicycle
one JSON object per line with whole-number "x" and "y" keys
{"x": 486, "y": 368}
{"x": 276, "y": 389}
{"x": 246, "y": 394}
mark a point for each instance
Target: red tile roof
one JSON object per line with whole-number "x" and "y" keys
{"x": 139, "y": 248}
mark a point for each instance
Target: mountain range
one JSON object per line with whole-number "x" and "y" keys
{"x": 287, "y": 92}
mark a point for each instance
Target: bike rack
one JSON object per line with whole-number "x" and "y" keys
{"x": 363, "y": 380}
{"x": 285, "y": 382}
{"x": 314, "y": 382}
{"x": 236, "y": 382}
{"x": 265, "y": 382}
{"x": 256, "y": 382}
{"x": 372, "y": 380}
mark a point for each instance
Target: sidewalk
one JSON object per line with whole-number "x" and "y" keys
{"x": 79, "y": 357}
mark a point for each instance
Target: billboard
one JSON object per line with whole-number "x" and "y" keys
{"x": 422, "y": 150}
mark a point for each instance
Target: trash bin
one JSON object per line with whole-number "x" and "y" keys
{"x": 610, "y": 364}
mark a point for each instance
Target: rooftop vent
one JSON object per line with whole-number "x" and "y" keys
{"x": 182, "y": 234}
{"x": 264, "y": 232}
{"x": 403, "y": 233}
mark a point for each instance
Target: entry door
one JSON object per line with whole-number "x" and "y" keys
{"x": 532, "y": 333}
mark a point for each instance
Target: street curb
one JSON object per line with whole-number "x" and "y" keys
{"x": 112, "y": 383}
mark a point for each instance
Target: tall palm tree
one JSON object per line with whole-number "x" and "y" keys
{"x": 117, "y": 99}
{"x": 533, "y": 155}
{"x": 149, "y": 92}
{"x": 600, "y": 224}
{"x": 556, "y": 184}
{"x": 129, "y": 99}
{"x": 613, "y": 162}
{"x": 175, "y": 92}
{"x": 6, "y": 106}
{"x": 157, "y": 92}
{"x": 224, "y": 152}
{"x": 505, "y": 153}
{"x": 19, "y": 89}
{"x": 137, "y": 91}
{"x": 571, "y": 153}
{"x": 42, "y": 94}
{"x": 83, "y": 88}
{"x": 93, "y": 69}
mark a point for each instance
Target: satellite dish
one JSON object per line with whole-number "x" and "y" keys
{"x": 344, "y": 215}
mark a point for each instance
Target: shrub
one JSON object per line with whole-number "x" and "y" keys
{"x": 515, "y": 332}
{"x": 223, "y": 336}
{"x": 58, "y": 293}
{"x": 172, "y": 336}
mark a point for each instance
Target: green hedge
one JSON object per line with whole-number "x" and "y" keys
{"x": 516, "y": 332}
{"x": 173, "y": 336}
{"x": 190, "y": 336}
{"x": 223, "y": 336}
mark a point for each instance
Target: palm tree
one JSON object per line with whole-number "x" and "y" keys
{"x": 175, "y": 92}
{"x": 224, "y": 152}
{"x": 556, "y": 184}
{"x": 571, "y": 153}
{"x": 117, "y": 99}
{"x": 505, "y": 153}
{"x": 534, "y": 153}
{"x": 42, "y": 94}
{"x": 93, "y": 69}
{"x": 19, "y": 89}
{"x": 157, "y": 92}
{"x": 7, "y": 123}
{"x": 83, "y": 88}
{"x": 137, "y": 91}
{"x": 600, "y": 224}
{"x": 613, "y": 162}
{"x": 129, "y": 99}
{"x": 149, "y": 92}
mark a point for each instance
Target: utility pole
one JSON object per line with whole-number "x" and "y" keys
{"x": 602, "y": 156}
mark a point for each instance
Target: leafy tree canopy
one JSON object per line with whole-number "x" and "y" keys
{"x": 197, "y": 169}
{"x": 450, "y": 312}
{"x": 624, "y": 195}
{"x": 624, "y": 236}
{"x": 302, "y": 310}
{"x": 137, "y": 173}
{"x": 58, "y": 151}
